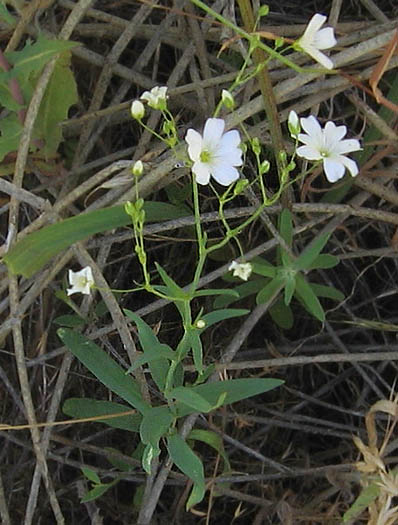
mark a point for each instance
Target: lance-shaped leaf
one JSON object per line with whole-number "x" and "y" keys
{"x": 311, "y": 252}
{"x": 60, "y": 95}
{"x": 32, "y": 252}
{"x": 189, "y": 463}
{"x": 103, "y": 367}
{"x": 85, "y": 408}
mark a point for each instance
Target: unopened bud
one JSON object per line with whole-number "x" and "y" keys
{"x": 138, "y": 168}
{"x": 137, "y": 110}
{"x": 227, "y": 99}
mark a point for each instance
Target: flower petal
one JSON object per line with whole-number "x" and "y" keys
{"x": 325, "y": 39}
{"x": 334, "y": 133}
{"x": 320, "y": 57}
{"x": 312, "y": 127}
{"x": 224, "y": 173}
{"x": 314, "y": 25}
{"x": 334, "y": 170}
{"x": 348, "y": 145}
{"x": 194, "y": 141}
{"x": 201, "y": 171}
{"x": 213, "y": 131}
{"x": 309, "y": 153}
{"x": 230, "y": 139}
{"x": 350, "y": 164}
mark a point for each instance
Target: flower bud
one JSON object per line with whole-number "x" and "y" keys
{"x": 138, "y": 168}
{"x": 200, "y": 324}
{"x": 137, "y": 110}
{"x": 293, "y": 124}
{"x": 263, "y": 11}
{"x": 264, "y": 167}
{"x": 227, "y": 99}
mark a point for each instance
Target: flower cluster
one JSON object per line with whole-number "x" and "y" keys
{"x": 156, "y": 99}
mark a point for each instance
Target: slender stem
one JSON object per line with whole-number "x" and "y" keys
{"x": 241, "y": 32}
{"x": 266, "y": 88}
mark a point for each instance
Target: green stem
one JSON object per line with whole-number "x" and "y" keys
{"x": 264, "y": 80}
{"x": 241, "y": 32}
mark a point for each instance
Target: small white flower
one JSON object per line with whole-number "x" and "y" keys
{"x": 200, "y": 324}
{"x": 327, "y": 145}
{"x": 80, "y": 282}
{"x": 293, "y": 124}
{"x": 137, "y": 110}
{"x": 215, "y": 154}
{"x": 242, "y": 270}
{"x": 156, "y": 98}
{"x": 314, "y": 39}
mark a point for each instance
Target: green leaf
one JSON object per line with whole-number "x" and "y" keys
{"x": 270, "y": 290}
{"x": 324, "y": 260}
{"x": 83, "y": 408}
{"x": 103, "y": 367}
{"x": 286, "y": 231}
{"x": 310, "y": 300}
{"x": 148, "y": 455}
{"x": 281, "y": 314}
{"x": 290, "y": 286}
{"x": 189, "y": 463}
{"x": 174, "y": 290}
{"x": 235, "y": 390}
{"x": 33, "y": 57}
{"x": 32, "y": 252}
{"x": 60, "y": 95}
{"x": 6, "y": 16}
{"x": 155, "y": 424}
{"x": 70, "y": 321}
{"x": 197, "y": 349}
{"x": 11, "y": 130}
{"x": 264, "y": 268}
{"x": 311, "y": 252}
{"x": 189, "y": 397}
{"x": 365, "y": 498}
{"x": 91, "y": 475}
{"x": 213, "y": 440}
{"x": 97, "y": 491}
{"x": 244, "y": 290}
{"x": 220, "y": 315}
{"x": 327, "y": 291}
{"x": 220, "y": 291}
{"x": 155, "y": 353}
{"x": 6, "y": 98}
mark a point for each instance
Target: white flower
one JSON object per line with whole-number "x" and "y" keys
{"x": 242, "y": 270}
{"x": 137, "y": 110}
{"x": 156, "y": 98}
{"x": 327, "y": 145}
{"x": 80, "y": 282}
{"x": 216, "y": 153}
{"x": 293, "y": 124}
{"x": 315, "y": 38}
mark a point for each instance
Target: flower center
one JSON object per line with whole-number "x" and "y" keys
{"x": 205, "y": 156}
{"x": 81, "y": 281}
